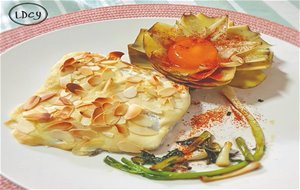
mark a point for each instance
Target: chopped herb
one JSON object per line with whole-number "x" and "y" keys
{"x": 228, "y": 113}
{"x": 187, "y": 141}
{"x": 260, "y": 100}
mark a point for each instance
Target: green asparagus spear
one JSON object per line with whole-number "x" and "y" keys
{"x": 255, "y": 127}
{"x": 130, "y": 167}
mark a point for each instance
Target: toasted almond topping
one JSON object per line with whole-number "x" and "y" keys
{"x": 98, "y": 111}
{"x": 108, "y": 134}
{"x": 108, "y": 84}
{"x": 65, "y": 126}
{"x": 167, "y": 92}
{"x": 122, "y": 129}
{"x": 122, "y": 121}
{"x": 86, "y": 121}
{"x": 69, "y": 61}
{"x": 40, "y": 117}
{"x": 128, "y": 146}
{"x": 99, "y": 121}
{"x": 65, "y": 101}
{"x": 77, "y": 102}
{"x": 65, "y": 80}
{"x": 133, "y": 111}
{"x": 86, "y": 110}
{"x": 95, "y": 80}
{"x": 143, "y": 131}
{"x": 85, "y": 71}
{"x": 31, "y": 102}
{"x": 134, "y": 79}
{"x": 80, "y": 133}
{"x": 25, "y": 126}
{"x": 74, "y": 88}
{"x": 154, "y": 81}
{"x": 50, "y": 109}
{"x": 115, "y": 55}
{"x": 151, "y": 91}
{"x": 65, "y": 113}
{"x": 48, "y": 96}
{"x": 100, "y": 101}
{"x": 107, "y": 74}
{"x": 68, "y": 69}
{"x": 143, "y": 120}
{"x": 61, "y": 136}
{"x": 95, "y": 68}
{"x": 110, "y": 119}
{"x": 63, "y": 93}
{"x": 130, "y": 92}
{"x": 121, "y": 110}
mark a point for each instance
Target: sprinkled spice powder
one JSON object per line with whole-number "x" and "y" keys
{"x": 209, "y": 118}
{"x": 239, "y": 120}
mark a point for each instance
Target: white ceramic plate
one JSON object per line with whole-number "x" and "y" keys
{"x": 25, "y": 67}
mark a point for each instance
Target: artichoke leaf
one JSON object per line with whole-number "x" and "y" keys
{"x": 138, "y": 57}
{"x": 254, "y": 66}
{"x": 164, "y": 33}
{"x": 152, "y": 47}
{"x": 190, "y": 25}
{"x": 243, "y": 31}
{"x": 248, "y": 79}
{"x": 223, "y": 74}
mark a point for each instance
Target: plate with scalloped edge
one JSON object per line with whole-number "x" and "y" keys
{"x": 23, "y": 70}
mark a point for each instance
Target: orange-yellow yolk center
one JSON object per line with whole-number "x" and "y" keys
{"x": 192, "y": 54}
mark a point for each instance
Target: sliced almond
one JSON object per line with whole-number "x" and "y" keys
{"x": 100, "y": 101}
{"x": 167, "y": 92}
{"x": 133, "y": 111}
{"x": 95, "y": 80}
{"x": 108, "y": 134}
{"x": 68, "y": 69}
{"x": 48, "y": 96}
{"x": 94, "y": 68}
{"x": 151, "y": 91}
{"x": 110, "y": 119}
{"x": 87, "y": 110}
{"x": 65, "y": 113}
{"x": 81, "y": 133}
{"x": 130, "y": 92}
{"x": 69, "y": 61}
{"x": 86, "y": 121}
{"x": 99, "y": 121}
{"x": 122, "y": 129}
{"x": 107, "y": 74}
{"x": 77, "y": 102}
{"x": 143, "y": 131}
{"x": 108, "y": 84}
{"x": 32, "y": 102}
{"x": 98, "y": 111}
{"x": 25, "y": 126}
{"x": 65, "y": 101}
{"x": 122, "y": 121}
{"x": 65, "y": 126}
{"x": 61, "y": 136}
{"x": 115, "y": 55}
{"x": 121, "y": 110}
{"x": 134, "y": 79}
{"x": 85, "y": 71}
{"x": 142, "y": 120}
{"x": 154, "y": 81}
{"x": 128, "y": 146}
{"x": 65, "y": 80}
{"x": 40, "y": 117}
{"x": 74, "y": 88}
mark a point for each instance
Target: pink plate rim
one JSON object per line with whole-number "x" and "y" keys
{"x": 15, "y": 36}
{"x": 20, "y": 34}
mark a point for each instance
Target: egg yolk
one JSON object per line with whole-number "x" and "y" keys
{"x": 191, "y": 54}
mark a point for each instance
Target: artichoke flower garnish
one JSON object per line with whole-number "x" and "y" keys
{"x": 203, "y": 52}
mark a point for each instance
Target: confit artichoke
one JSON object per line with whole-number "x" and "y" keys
{"x": 203, "y": 52}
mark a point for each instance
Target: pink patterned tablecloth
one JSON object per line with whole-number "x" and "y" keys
{"x": 13, "y": 37}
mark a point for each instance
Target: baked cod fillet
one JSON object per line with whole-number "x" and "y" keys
{"x": 90, "y": 102}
